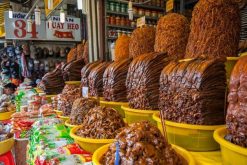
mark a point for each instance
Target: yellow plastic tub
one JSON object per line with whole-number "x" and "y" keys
{"x": 115, "y": 105}
{"x": 88, "y": 144}
{"x": 6, "y": 145}
{"x": 136, "y": 115}
{"x": 48, "y": 97}
{"x": 67, "y": 123}
{"x": 231, "y": 154}
{"x": 229, "y": 65}
{"x": 188, "y": 136}
{"x": 73, "y": 83}
{"x": 38, "y": 90}
{"x": 102, "y": 150}
{"x": 64, "y": 118}
{"x": 6, "y": 115}
{"x": 59, "y": 113}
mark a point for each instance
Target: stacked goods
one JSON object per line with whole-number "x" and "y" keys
{"x": 95, "y": 79}
{"x": 142, "y": 41}
{"x": 122, "y": 48}
{"x": 79, "y": 50}
{"x": 193, "y": 92}
{"x": 72, "y": 71}
{"x": 65, "y": 101}
{"x": 143, "y": 80}
{"x": 141, "y": 143}
{"x": 54, "y": 102}
{"x": 172, "y": 35}
{"x": 52, "y": 82}
{"x": 114, "y": 80}
{"x": 86, "y": 52}
{"x": 69, "y": 87}
{"x": 71, "y": 55}
{"x": 236, "y": 113}
{"x": 215, "y": 29}
{"x": 85, "y": 72}
{"x": 80, "y": 108}
{"x": 101, "y": 123}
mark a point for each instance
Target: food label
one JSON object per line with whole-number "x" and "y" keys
{"x": 141, "y": 21}
{"x": 85, "y": 92}
{"x": 169, "y": 5}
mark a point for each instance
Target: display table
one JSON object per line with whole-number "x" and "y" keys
{"x": 207, "y": 158}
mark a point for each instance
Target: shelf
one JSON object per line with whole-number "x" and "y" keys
{"x": 121, "y": 27}
{"x": 142, "y": 5}
{"x": 126, "y": 14}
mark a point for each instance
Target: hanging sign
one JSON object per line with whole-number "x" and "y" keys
{"x": 52, "y": 30}
{"x": 169, "y": 5}
{"x": 69, "y": 31}
{"x": 55, "y": 4}
{"x": 16, "y": 28}
{"x": 141, "y": 21}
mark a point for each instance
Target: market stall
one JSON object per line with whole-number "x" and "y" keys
{"x": 171, "y": 93}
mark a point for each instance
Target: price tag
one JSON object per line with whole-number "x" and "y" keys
{"x": 85, "y": 92}
{"x": 169, "y": 5}
{"x": 141, "y": 21}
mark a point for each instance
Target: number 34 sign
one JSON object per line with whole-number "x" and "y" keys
{"x": 16, "y": 28}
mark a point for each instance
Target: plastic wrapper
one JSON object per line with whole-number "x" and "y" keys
{"x": 142, "y": 41}
{"x": 52, "y": 82}
{"x": 215, "y": 29}
{"x": 80, "y": 108}
{"x": 122, "y": 48}
{"x": 143, "y": 80}
{"x": 65, "y": 101}
{"x": 236, "y": 120}
{"x": 5, "y": 131}
{"x": 114, "y": 79}
{"x": 85, "y": 71}
{"x": 69, "y": 87}
{"x": 72, "y": 71}
{"x": 141, "y": 143}
{"x": 101, "y": 123}
{"x": 95, "y": 79}
{"x": 193, "y": 92}
{"x": 172, "y": 34}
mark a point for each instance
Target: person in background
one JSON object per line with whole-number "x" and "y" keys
{"x": 9, "y": 89}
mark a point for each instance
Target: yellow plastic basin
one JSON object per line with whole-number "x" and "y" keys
{"x": 229, "y": 65}
{"x": 64, "y": 118}
{"x": 67, "y": 123}
{"x": 73, "y": 83}
{"x": 136, "y": 115}
{"x": 231, "y": 154}
{"x": 6, "y": 145}
{"x": 59, "y": 113}
{"x": 38, "y": 90}
{"x": 6, "y": 115}
{"x": 48, "y": 97}
{"x": 88, "y": 144}
{"x": 115, "y": 105}
{"x": 102, "y": 150}
{"x": 188, "y": 136}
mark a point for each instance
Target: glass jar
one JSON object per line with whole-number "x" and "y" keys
{"x": 140, "y": 12}
{"x": 108, "y": 19}
{"x": 122, "y": 21}
{"x": 147, "y": 13}
{"x": 128, "y": 22}
{"x": 108, "y": 6}
{"x": 112, "y": 6}
{"x": 117, "y": 7}
{"x": 123, "y": 8}
{"x": 112, "y": 20}
{"x": 154, "y": 14}
{"x": 135, "y": 11}
{"x": 118, "y": 21}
